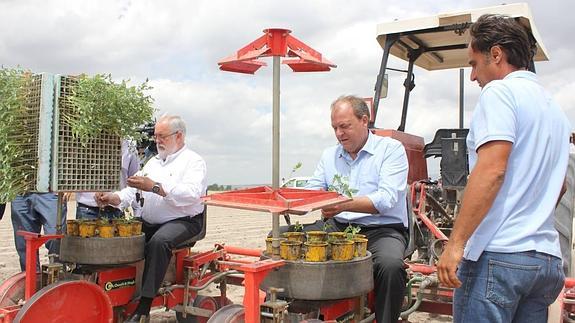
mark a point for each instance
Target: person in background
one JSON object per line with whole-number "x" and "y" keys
{"x": 172, "y": 187}
{"x": 33, "y": 212}
{"x": 503, "y": 255}
{"x": 86, "y": 205}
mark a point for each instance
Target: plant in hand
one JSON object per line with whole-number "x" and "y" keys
{"x": 340, "y": 184}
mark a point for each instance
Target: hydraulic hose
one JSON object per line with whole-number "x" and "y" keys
{"x": 428, "y": 281}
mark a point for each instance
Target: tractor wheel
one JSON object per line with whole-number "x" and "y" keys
{"x": 205, "y": 302}
{"x": 12, "y": 289}
{"x": 564, "y": 218}
{"x": 67, "y": 301}
{"x": 233, "y": 313}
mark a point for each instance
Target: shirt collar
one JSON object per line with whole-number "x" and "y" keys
{"x": 368, "y": 147}
{"x": 521, "y": 74}
{"x": 171, "y": 156}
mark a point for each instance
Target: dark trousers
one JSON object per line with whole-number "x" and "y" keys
{"x": 387, "y": 245}
{"x": 161, "y": 239}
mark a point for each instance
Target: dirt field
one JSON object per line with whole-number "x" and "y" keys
{"x": 232, "y": 227}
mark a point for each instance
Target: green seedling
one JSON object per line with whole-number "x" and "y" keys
{"x": 298, "y": 227}
{"x": 340, "y": 184}
{"x": 351, "y": 231}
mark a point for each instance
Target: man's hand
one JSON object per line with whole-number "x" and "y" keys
{"x": 141, "y": 182}
{"x": 104, "y": 199}
{"x": 331, "y": 211}
{"x": 447, "y": 266}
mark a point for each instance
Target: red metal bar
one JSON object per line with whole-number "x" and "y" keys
{"x": 432, "y": 227}
{"x": 419, "y": 210}
{"x": 420, "y": 268}
{"x": 243, "y": 251}
{"x": 33, "y": 242}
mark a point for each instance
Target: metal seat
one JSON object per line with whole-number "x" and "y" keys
{"x": 434, "y": 148}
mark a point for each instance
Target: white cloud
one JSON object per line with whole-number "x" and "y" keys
{"x": 177, "y": 44}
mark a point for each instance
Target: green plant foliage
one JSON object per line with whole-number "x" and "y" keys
{"x": 351, "y": 231}
{"x": 340, "y": 184}
{"x": 14, "y": 133}
{"x": 98, "y": 103}
{"x": 298, "y": 227}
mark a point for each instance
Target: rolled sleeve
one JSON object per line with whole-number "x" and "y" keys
{"x": 392, "y": 180}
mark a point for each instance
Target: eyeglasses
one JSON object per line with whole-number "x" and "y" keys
{"x": 156, "y": 137}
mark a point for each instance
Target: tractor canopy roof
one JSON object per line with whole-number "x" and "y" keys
{"x": 444, "y": 38}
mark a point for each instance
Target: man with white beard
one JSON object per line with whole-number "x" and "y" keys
{"x": 170, "y": 185}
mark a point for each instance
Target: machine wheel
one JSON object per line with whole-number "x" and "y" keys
{"x": 233, "y": 313}
{"x": 67, "y": 301}
{"x": 564, "y": 218}
{"x": 12, "y": 289}
{"x": 205, "y": 302}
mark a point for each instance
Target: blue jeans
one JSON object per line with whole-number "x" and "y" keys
{"x": 85, "y": 212}
{"x": 32, "y": 211}
{"x": 507, "y": 287}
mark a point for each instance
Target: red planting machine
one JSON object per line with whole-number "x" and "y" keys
{"x": 97, "y": 280}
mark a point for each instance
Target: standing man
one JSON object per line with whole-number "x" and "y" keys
{"x": 86, "y": 206}
{"x": 375, "y": 169}
{"x": 503, "y": 240}
{"x": 171, "y": 185}
{"x": 31, "y": 212}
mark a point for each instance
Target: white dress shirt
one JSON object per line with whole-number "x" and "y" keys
{"x": 183, "y": 178}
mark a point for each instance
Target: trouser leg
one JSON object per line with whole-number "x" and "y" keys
{"x": 46, "y": 207}
{"x": 161, "y": 240}
{"x": 23, "y": 218}
{"x": 387, "y": 246}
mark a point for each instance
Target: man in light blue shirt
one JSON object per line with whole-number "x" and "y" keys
{"x": 374, "y": 169}
{"x": 504, "y": 240}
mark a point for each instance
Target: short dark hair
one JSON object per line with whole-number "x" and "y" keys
{"x": 503, "y": 31}
{"x": 359, "y": 106}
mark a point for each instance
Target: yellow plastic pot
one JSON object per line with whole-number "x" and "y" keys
{"x": 316, "y": 251}
{"x": 335, "y": 236}
{"x": 124, "y": 229}
{"x": 360, "y": 247}
{"x": 316, "y": 236}
{"x": 136, "y": 228}
{"x": 72, "y": 227}
{"x": 295, "y": 236}
{"x": 342, "y": 250}
{"x": 290, "y": 250}
{"x": 269, "y": 248}
{"x": 87, "y": 229}
{"x": 106, "y": 230}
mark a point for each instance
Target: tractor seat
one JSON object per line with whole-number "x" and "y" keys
{"x": 192, "y": 241}
{"x": 434, "y": 148}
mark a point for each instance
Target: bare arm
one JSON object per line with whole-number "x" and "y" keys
{"x": 360, "y": 204}
{"x": 484, "y": 183}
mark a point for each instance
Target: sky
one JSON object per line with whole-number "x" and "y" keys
{"x": 177, "y": 44}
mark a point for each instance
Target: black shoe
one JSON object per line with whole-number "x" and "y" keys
{"x": 138, "y": 318}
